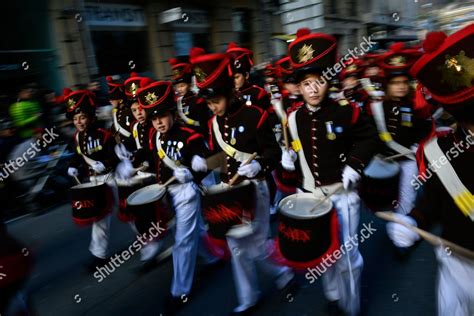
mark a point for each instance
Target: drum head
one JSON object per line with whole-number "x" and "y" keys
{"x": 148, "y": 194}
{"x": 138, "y": 178}
{"x": 300, "y": 206}
{"x": 86, "y": 185}
{"x": 379, "y": 168}
{"x": 224, "y": 187}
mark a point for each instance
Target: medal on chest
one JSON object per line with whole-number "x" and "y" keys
{"x": 406, "y": 117}
{"x": 330, "y": 131}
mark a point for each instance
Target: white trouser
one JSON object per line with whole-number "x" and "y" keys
{"x": 101, "y": 228}
{"x": 187, "y": 204}
{"x": 455, "y": 284}
{"x": 406, "y": 191}
{"x": 249, "y": 251}
{"x": 341, "y": 281}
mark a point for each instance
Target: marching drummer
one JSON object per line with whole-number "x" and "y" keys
{"x": 141, "y": 157}
{"x": 351, "y": 86}
{"x": 241, "y": 64}
{"x": 447, "y": 192}
{"x": 403, "y": 123}
{"x": 173, "y": 146}
{"x": 94, "y": 157}
{"x": 192, "y": 109}
{"x": 240, "y": 130}
{"x": 332, "y": 142}
{"x": 121, "y": 114}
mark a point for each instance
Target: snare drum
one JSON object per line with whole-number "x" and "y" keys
{"x": 147, "y": 204}
{"x": 90, "y": 202}
{"x": 127, "y": 187}
{"x": 305, "y": 234}
{"x": 379, "y": 184}
{"x": 228, "y": 210}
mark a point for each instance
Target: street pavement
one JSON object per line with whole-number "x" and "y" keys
{"x": 59, "y": 285}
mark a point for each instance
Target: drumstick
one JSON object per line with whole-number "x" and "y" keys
{"x": 77, "y": 179}
{"x": 170, "y": 180}
{"x": 249, "y": 160}
{"x": 397, "y": 156}
{"x": 429, "y": 237}
{"x": 284, "y": 124}
{"x": 338, "y": 188}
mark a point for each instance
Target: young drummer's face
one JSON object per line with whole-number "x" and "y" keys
{"x": 81, "y": 121}
{"x": 182, "y": 88}
{"x": 217, "y": 105}
{"x": 239, "y": 80}
{"x": 163, "y": 122}
{"x": 398, "y": 87}
{"x": 349, "y": 83}
{"x": 115, "y": 103}
{"x": 313, "y": 89}
{"x": 138, "y": 113}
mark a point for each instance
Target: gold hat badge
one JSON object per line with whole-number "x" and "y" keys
{"x": 458, "y": 71}
{"x": 151, "y": 98}
{"x": 397, "y": 61}
{"x": 305, "y": 53}
{"x": 200, "y": 74}
{"x": 71, "y": 103}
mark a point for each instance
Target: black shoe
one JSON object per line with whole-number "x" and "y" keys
{"x": 334, "y": 310}
{"x": 174, "y": 303}
{"x": 95, "y": 263}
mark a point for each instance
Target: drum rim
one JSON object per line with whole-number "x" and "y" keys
{"x": 86, "y": 185}
{"x": 133, "y": 180}
{"x": 309, "y": 216}
{"x": 148, "y": 187}
{"x": 222, "y": 185}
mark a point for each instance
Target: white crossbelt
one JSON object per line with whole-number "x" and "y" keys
{"x": 379, "y": 116}
{"x": 181, "y": 114}
{"x": 117, "y": 126}
{"x": 450, "y": 180}
{"x": 135, "y": 136}
{"x": 238, "y": 155}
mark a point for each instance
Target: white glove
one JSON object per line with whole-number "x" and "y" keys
{"x": 350, "y": 177}
{"x": 414, "y": 148}
{"x": 72, "y": 172}
{"x": 183, "y": 175}
{"x": 98, "y": 167}
{"x": 288, "y": 159}
{"x": 399, "y": 234}
{"x": 122, "y": 152}
{"x": 124, "y": 170}
{"x": 198, "y": 164}
{"x": 250, "y": 170}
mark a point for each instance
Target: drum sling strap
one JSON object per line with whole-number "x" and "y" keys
{"x": 170, "y": 163}
{"x": 135, "y": 136}
{"x": 181, "y": 114}
{"x": 385, "y": 136}
{"x": 230, "y": 151}
{"x": 308, "y": 179}
{"x": 117, "y": 126}
{"x": 463, "y": 199}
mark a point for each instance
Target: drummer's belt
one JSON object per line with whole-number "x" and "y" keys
{"x": 181, "y": 114}
{"x": 230, "y": 151}
{"x": 117, "y": 126}
{"x": 385, "y": 136}
{"x": 463, "y": 199}
{"x": 308, "y": 179}
{"x": 170, "y": 163}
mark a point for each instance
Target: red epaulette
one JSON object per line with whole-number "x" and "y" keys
{"x": 106, "y": 133}
{"x": 151, "y": 133}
